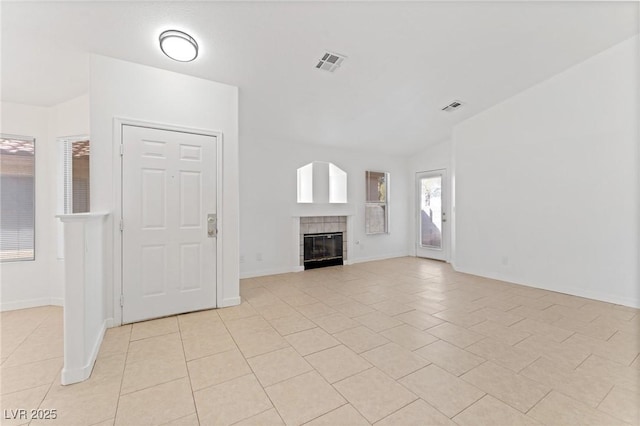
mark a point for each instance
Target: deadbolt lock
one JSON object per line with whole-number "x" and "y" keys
{"x": 212, "y": 225}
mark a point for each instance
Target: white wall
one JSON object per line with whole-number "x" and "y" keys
{"x": 268, "y": 203}
{"x": 131, "y": 91}
{"x": 26, "y": 283}
{"x": 547, "y": 182}
{"x": 40, "y": 282}
{"x": 435, "y": 157}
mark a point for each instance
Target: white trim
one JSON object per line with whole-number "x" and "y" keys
{"x": 382, "y": 257}
{"x": 29, "y": 303}
{"x": 232, "y": 301}
{"x": 219, "y": 224}
{"x": 80, "y": 374}
{"x": 277, "y": 271}
{"x": 272, "y": 271}
{"x": 118, "y": 123}
{"x": 82, "y": 217}
{"x": 57, "y": 301}
{"x": 574, "y": 291}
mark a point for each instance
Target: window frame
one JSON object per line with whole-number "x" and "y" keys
{"x": 378, "y": 202}
{"x": 31, "y": 139}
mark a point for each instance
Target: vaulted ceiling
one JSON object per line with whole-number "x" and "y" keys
{"x": 405, "y": 60}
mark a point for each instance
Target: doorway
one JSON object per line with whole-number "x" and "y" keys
{"x": 432, "y": 198}
{"x": 169, "y": 222}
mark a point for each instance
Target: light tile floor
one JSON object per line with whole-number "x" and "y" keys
{"x": 396, "y": 342}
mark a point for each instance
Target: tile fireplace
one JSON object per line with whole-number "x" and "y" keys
{"x": 323, "y": 241}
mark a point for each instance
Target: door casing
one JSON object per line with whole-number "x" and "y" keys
{"x": 118, "y": 123}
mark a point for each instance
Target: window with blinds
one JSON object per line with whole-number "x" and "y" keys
{"x": 17, "y": 198}
{"x": 73, "y": 180}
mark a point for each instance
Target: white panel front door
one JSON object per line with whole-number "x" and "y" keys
{"x": 168, "y": 194}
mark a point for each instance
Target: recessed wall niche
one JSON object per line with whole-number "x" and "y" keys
{"x": 322, "y": 182}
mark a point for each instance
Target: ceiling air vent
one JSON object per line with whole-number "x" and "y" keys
{"x": 330, "y": 61}
{"x": 453, "y": 106}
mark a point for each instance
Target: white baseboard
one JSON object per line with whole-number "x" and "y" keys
{"x": 298, "y": 268}
{"x": 273, "y": 271}
{"x": 57, "y": 301}
{"x": 231, "y": 301}
{"x": 79, "y": 374}
{"x": 30, "y": 303}
{"x": 574, "y": 291}
{"x": 374, "y": 258}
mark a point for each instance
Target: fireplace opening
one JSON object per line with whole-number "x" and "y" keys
{"x": 323, "y": 249}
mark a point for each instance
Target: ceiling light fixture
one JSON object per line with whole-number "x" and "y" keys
{"x": 178, "y": 45}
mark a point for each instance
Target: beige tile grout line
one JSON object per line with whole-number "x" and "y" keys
{"x": 27, "y": 336}
{"x": 186, "y": 366}
{"x": 252, "y": 371}
{"x": 124, "y": 368}
{"x": 56, "y": 376}
{"x": 331, "y": 411}
{"x": 255, "y": 415}
{"x": 373, "y": 366}
{"x": 605, "y": 397}
{"x": 311, "y": 319}
{"x": 314, "y": 369}
{"x": 29, "y": 363}
{"x": 326, "y": 348}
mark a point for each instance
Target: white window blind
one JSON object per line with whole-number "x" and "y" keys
{"x": 73, "y": 180}
{"x": 75, "y": 176}
{"x": 80, "y": 176}
{"x": 17, "y": 198}
{"x": 67, "y": 186}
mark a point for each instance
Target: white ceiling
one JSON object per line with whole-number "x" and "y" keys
{"x": 405, "y": 60}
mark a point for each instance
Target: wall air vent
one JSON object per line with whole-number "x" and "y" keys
{"x": 330, "y": 61}
{"x": 453, "y": 106}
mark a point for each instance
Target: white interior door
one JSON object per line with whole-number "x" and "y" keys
{"x": 432, "y": 238}
{"x": 169, "y": 222}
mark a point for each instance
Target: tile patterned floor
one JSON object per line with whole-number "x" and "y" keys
{"x": 396, "y": 342}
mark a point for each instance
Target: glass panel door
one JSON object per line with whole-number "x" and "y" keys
{"x": 431, "y": 218}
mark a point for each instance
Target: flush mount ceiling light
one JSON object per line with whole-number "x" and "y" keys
{"x": 178, "y": 45}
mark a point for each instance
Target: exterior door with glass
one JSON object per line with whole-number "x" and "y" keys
{"x": 432, "y": 238}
